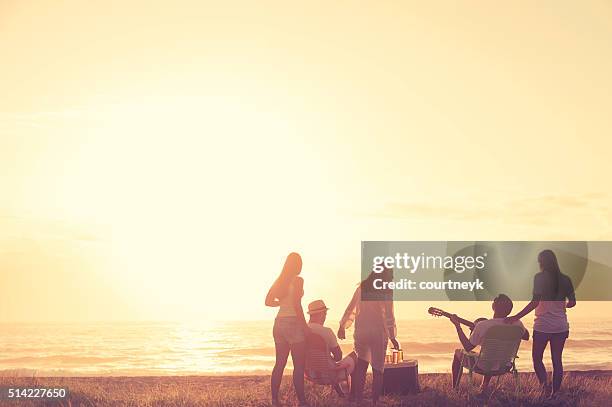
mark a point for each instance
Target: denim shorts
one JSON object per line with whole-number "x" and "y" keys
{"x": 288, "y": 330}
{"x": 544, "y": 336}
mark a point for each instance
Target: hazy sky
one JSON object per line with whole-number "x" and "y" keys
{"x": 159, "y": 160}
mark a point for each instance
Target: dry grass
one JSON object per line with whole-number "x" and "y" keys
{"x": 579, "y": 389}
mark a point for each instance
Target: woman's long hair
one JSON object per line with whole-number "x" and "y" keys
{"x": 292, "y": 267}
{"x": 367, "y": 285}
{"x": 549, "y": 264}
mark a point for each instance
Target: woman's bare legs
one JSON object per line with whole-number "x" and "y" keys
{"x": 537, "y": 353}
{"x": 298, "y": 355}
{"x": 377, "y": 384}
{"x": 282, "y": 353}
{"x": 556, "y": 353}
{"x": 358, "y": 378}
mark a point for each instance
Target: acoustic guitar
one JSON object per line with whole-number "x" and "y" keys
{"x": 437, "y": 312}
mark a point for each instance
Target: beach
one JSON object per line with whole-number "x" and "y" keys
{"x": 588, "y": 388}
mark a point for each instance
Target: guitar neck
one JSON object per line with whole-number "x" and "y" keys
{"x": 465, "y": 322}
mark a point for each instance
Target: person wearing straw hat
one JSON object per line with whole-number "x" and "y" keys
{"x": 317, "y": 310}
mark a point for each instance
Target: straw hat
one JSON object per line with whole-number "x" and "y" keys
{"x": 316, "y": 307}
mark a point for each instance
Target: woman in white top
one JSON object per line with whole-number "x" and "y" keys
{"x": 372, "y": 311}
{"x": 551, "y": 289}
{"x": 290, "y": 328}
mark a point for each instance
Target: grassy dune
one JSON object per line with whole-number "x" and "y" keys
{"x": 580, "y": 389}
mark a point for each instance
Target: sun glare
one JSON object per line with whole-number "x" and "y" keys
{"x": 177, "y": 191}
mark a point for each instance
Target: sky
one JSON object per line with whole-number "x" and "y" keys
{"x": 159, "y": 162}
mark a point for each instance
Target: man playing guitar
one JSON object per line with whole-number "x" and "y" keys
{"x": 502, "y": 306}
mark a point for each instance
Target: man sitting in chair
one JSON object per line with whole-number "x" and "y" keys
{"x": 318, "y": 313}
{"x": 502, "y": 306}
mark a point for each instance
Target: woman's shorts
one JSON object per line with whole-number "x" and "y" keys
{"x": 288, "y": 330}
{"x": 545, "y": 336}
{"x": 371, "y": 347}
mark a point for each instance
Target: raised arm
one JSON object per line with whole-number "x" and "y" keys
{"x": 349, "y": 314}
{"x": 528, "y": 308}
{"x": 537, "y": 295}
{"x": 465, "y": 342}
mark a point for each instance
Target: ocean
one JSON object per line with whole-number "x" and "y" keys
{"x": 235, "y": 348}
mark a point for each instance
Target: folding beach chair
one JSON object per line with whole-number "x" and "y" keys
{"x": 498, "y": 352}
{"x": 320, "y": 367}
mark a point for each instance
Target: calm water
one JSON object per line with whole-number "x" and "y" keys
{"x": 233, "y": 348}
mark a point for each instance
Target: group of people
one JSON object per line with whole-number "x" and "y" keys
{"x": 371, "y": 312}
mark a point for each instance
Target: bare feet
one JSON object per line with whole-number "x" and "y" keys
{"x": 546, "y": 390}
{"x": 482, "y": 396}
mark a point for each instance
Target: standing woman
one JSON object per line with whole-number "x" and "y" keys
{"x": 551, "y": 289}
{"x": 372, "y": 311}
{"x": 290, "y": 328}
